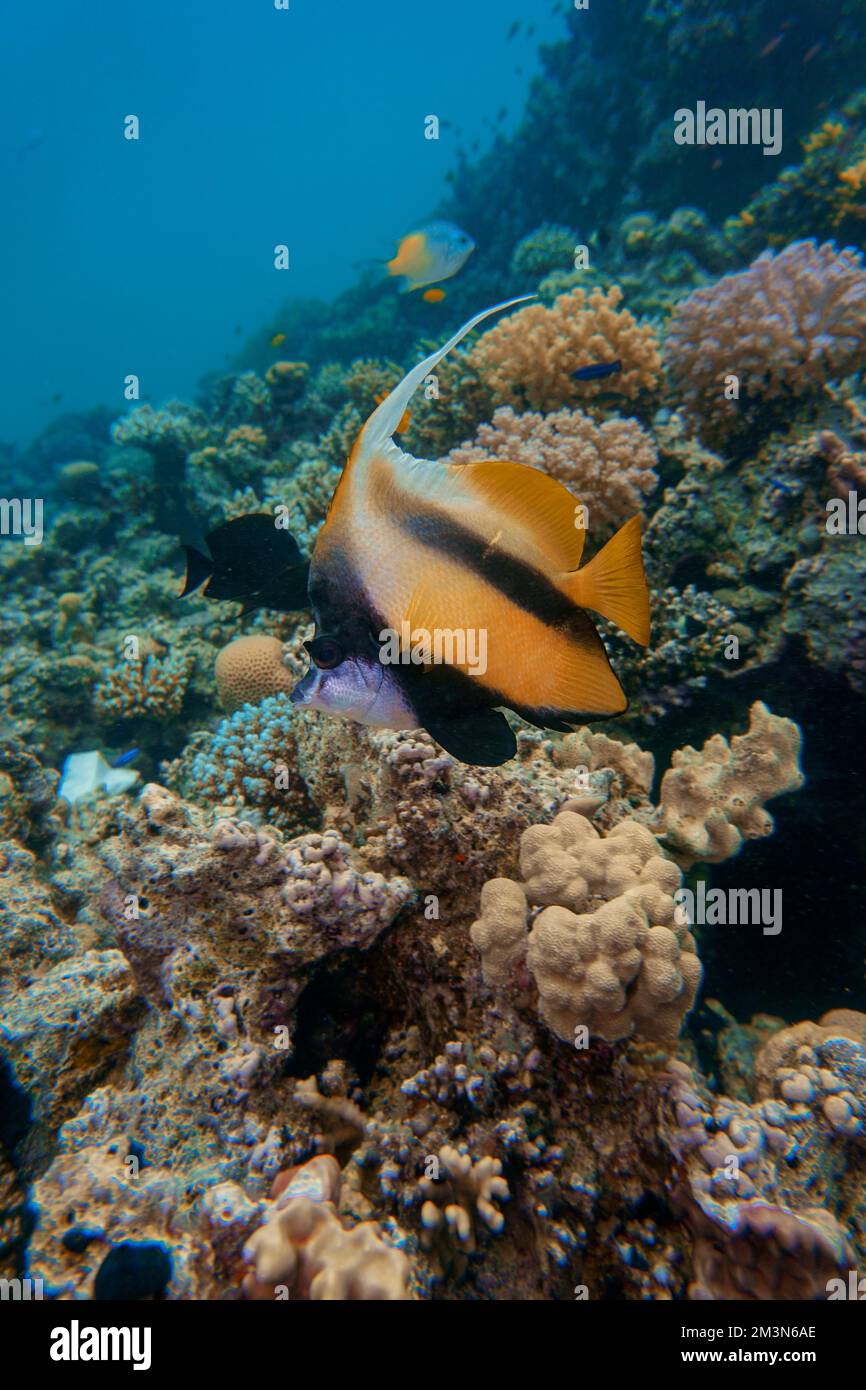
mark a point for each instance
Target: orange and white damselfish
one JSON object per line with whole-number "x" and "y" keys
{"x": 446, "y": 593}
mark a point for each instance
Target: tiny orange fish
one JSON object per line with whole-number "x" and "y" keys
{"x": 433, "y": 296}
{"x": 813, "y": 53}
{"x": 278, "y": 340}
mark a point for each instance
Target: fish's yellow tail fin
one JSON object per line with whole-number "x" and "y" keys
{"x": 614, "y": 584}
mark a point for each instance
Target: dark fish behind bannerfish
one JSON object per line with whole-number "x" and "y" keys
{"x": 252, "y": 562}
{"x": 596, "y": 371}
{"x": 412, "y": 550}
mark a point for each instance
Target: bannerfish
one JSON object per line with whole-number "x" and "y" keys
{"x": 251, "y": 561}
{"x": 444, "y": 593}
{"x": 596, "y": 371}
{"x": 432, "y": 253}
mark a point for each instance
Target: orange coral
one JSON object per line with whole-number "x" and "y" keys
{"x": 528, "y": 358}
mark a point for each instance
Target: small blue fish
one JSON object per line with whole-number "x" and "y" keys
{"x": 596, "y": 370}
{"x": 125, "y": 758}
{"x": 778, "y": 486}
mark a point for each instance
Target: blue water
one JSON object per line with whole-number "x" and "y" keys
{"x": 257, "y": 127}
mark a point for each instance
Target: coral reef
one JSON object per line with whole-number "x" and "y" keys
{"x": 610, "y": 467}
{"x": 607, "y": 952}
{"x": 781, "y": 329}
{"x": 527, "y": 360}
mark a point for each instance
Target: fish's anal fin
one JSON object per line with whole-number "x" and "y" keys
{"x": 481, "y": 737}
{"x": 614, "y": 584}
{"x": 536, "y": 502}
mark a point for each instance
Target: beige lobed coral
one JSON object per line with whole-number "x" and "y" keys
{"x": 250, "y": 669}
{"x": 610, "y": 467}
{"x": 528, "y": 358}
{"x": 302, "y": 1249}
{"x": 608, "y": 951}
{"x": 784, "y": 327}
{"x": 713, "y": 799}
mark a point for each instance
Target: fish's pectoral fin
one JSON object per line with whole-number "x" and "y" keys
{"x": 198, "y": 569}
{"x": 614, "y": 584}
{"x": 481, "y": 737}
{"x": 534, "y": 501}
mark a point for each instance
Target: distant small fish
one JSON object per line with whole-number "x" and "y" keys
{"x": 126, "y": 758}
{"x": 278, "y": 340}
{"x": 596, "y": 371}
{"x": 771, "y": 46}
{"x": 716, "y": 164}
{"x": 514, "y": 30}
{"x": 433, "y": 252}
{"x": 777, "y": 485}
{"x": 433, "y": 296}
{"x": 813, "y": 53}
{"x": 57, "y": 398}
{"x": 237, "y": 330}
{"x": 250, "y": 562}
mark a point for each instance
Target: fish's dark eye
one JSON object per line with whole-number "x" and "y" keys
{"x": 326, "y": 652}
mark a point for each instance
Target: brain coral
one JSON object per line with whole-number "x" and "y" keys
{"x": 607, "y": 951}
{"x": 609, "y": 467}
{"x": 528, "y": 358}
{"x": 250, "y": 669}
{"x": 784, "y": 327}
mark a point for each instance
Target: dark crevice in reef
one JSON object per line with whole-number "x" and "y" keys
{"x": 16, "y": 1111}
{"x": 340, "y": 1015}
{"x": 819, "y": 829}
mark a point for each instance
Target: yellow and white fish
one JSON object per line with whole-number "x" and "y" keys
{"x": 430, "y": 254}
{"x": 445, "y": 593}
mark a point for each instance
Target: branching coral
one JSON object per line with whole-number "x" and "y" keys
{"x": 784, "y": 327}
{"x": 251, "y": 759}
{"x": 152, "y": 687}
{"x": 762, "y": 1185}
{"x": 528, "y": 358}
{"x": 610, "y": 467}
